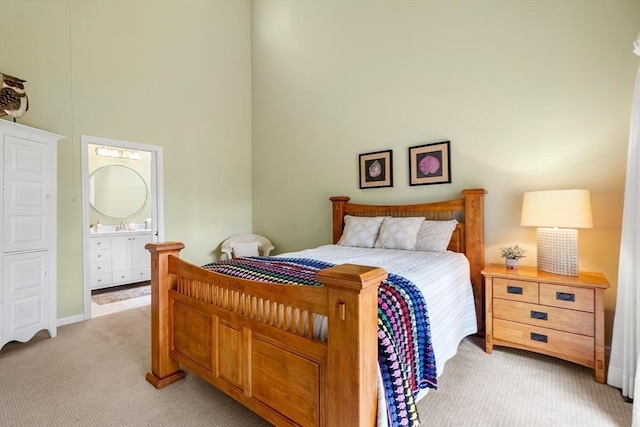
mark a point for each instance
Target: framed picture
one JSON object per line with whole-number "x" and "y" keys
{"x": 376, "y": 169}
{"x": 430, "y": 164}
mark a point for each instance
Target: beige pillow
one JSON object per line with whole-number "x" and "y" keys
{"x": 245, "y": 249}
{"x": 435, "y": 235}
{"x": 360, "y": 232}
{"x": 399, "y": 233}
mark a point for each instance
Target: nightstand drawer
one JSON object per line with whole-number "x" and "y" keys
{"x": 516, "y": 290}
{"x": 577, "y": 322}
{"x": 567, "y": 297}
{"x": 572, "y": 347}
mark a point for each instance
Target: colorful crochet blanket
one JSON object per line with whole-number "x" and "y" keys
{"x": 405, "y": 354}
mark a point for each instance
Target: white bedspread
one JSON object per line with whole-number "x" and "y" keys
{"x": 443, "y": 278}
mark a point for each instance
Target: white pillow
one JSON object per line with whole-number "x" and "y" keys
{"x": 435, "y": 235}
{"x": 245, "y": 249}
{"x": 399, "y": 233}
{"x": 360, "y": 232}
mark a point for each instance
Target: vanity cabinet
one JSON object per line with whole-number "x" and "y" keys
{"x": 28, "y": 232}
{"x": 119, "y": 258}
{"x": 101, "y": 276}
{"x": 130, "y": 261}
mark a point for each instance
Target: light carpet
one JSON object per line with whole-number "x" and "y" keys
{"x": 92, "y": 374}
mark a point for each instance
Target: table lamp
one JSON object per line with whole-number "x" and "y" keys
{"x": 557, "y": 214}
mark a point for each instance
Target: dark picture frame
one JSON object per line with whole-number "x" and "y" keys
{"x": 376, "y": 169}
{"x": 430, "y": 164}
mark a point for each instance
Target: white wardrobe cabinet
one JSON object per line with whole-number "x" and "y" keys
{"x": 28, "y": 232}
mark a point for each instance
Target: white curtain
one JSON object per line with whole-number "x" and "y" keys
{"x": 625, "y": 345}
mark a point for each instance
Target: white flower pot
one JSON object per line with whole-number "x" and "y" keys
{"x": 511, "y": 263}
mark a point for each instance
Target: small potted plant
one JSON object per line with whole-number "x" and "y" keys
{"x": 512, "y": 254}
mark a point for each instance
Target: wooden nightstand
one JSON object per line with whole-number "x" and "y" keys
{"x": 560, "y": 316}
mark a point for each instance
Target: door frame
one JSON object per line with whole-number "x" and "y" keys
{"x": 156, "y": 192}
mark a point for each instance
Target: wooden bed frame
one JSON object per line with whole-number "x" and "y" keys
{"x": 254, "y": 341}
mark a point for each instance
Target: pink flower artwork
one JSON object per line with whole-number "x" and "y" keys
{"x": 429, "y": 165}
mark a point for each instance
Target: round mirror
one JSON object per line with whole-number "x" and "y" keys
{"x": 117, "y": 191}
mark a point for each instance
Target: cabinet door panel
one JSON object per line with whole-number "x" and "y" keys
{"x": 140, "y": 257}
{"x": 120, "y": 253}
{"x": 26, "y": 294}
{"x": 26, "y": 175}
{"x": 25, "y": 274}
{"x": 26, "y": 316}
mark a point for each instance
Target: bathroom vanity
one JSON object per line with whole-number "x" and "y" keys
{"x": 119, "y": 258}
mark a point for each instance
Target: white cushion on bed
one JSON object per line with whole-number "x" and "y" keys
{"x": 399, "y": 233}
{"x": 435, "y": 235}
{"x": 245, "y": 249}
{"x": 360, "y": 232}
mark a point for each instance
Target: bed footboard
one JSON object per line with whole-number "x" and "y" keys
{"x": 255, "y": 341}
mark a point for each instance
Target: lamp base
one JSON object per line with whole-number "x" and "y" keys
{"x": 558, "y": 250}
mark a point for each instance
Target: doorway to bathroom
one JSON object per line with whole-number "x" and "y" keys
{"x": 122, "y": 211}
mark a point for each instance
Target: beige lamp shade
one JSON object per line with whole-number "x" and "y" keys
{"x": 557, "y": 208}
{"x": 557, "y": 214}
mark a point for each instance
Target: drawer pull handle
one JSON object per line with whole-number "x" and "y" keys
{"x": 538, "y": 315}
{"x": 565, "y": 296}
{"x": 514, "y": 290}
{"x": 538, "y": 337}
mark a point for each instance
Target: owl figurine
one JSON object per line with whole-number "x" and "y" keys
{"x": 13, "y": 97}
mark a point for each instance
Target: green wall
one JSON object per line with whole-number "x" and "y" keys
{"x": 167, "y": 73}
{"x": 263, "y": 107}
{"x": 533, "y": 95}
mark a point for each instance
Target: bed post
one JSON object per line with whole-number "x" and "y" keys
{"x": 164, "y": 370}
{"x": 339, "y": 204}
{"x": 474, "y": 246}
{"x": 352, "y": 345}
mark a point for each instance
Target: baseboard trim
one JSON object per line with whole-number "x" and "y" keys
{"x": 71, "y": 319}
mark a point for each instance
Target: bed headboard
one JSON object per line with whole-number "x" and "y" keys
{"x": 468, "y": 237}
